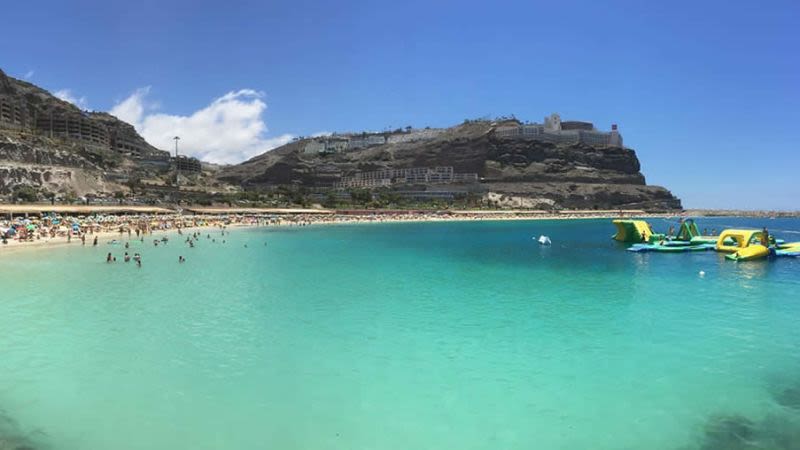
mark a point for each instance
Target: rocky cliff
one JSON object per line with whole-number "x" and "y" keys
{"x": 536, "y": 173}
{"x": 53, "y": 146}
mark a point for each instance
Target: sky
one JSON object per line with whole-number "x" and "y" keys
{"x": 707, "y": 93}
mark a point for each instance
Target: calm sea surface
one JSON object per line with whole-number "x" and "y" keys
{"x": 402, "y": 336}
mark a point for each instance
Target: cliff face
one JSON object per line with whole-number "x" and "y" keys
{"x": 539, "y": 173}
{"x": 52, "y": 145}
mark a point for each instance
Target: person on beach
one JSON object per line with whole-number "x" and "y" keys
{"x": 95, "y": 242}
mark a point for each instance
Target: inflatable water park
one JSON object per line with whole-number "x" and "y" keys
{"x": 737, "y": 244}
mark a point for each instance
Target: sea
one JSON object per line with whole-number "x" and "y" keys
{"x": 445, "y": 335}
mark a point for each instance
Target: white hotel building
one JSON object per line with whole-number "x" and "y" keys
{"x": 556, "y": 131}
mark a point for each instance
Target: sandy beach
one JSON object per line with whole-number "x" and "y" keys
{"x": 43, "y": 226}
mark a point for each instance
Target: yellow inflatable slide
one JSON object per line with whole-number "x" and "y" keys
{"x": 743, "y": 245}
{"x": 632, "y": 231}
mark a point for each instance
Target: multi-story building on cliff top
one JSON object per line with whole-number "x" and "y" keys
{"x": 28, "y": 109}
{"x": 570, "y": 132}
{"x": 353, "y": 141}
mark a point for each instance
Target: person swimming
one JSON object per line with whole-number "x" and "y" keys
{"x": 127, "y": 257}
{"x": 108, "y": 257}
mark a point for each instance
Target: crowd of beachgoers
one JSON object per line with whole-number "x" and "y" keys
{"x": 56, "y": 228}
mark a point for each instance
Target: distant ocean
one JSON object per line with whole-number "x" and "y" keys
{"x": 402, "y": 336}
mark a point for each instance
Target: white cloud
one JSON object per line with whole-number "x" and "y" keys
{"x": 132, "y": 108}
{"x": 67, "y": 96}
{"x": 229, "y": 130}
{"x": 29, "y": 74}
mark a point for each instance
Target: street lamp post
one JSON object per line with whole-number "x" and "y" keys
{"x": 177, "y": 164}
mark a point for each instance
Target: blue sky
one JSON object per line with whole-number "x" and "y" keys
{"x": 706, "y": 92}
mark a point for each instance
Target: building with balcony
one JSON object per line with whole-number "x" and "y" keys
{"x": 556, "y": 131}
{"x": 413, "y": 175}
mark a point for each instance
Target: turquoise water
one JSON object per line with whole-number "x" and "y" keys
{"x": 400, "y": 336}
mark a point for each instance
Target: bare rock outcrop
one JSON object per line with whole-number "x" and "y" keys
{"x": 559, "y": 175}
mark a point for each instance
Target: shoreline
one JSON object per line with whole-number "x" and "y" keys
{"x": 298, "y": 221}
{"x": 249, "y": 218}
